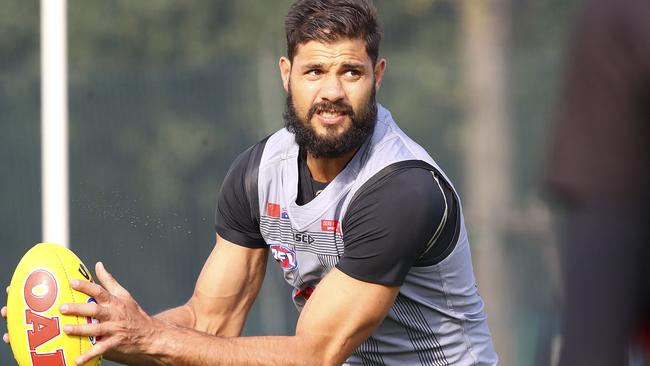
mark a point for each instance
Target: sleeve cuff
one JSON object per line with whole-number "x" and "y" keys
{"x": 391, "y": 282}
{"x": 239, "y": 238}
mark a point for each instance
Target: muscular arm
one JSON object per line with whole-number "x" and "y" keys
{"x": 338, "y": 317}
{"x": 226, "y": 289}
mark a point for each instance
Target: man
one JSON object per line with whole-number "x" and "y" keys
{"x": 366, "y": 227}
{"x": 598, "y": 169}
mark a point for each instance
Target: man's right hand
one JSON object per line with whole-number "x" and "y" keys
{"x": 5, "y": 337}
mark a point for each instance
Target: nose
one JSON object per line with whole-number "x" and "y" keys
{"x": 332, "y": 89}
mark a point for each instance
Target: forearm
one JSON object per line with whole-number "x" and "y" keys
{"x": 182, "y": 316}
{"x": 220, "y": 316}
{"x": 339, "y": 316}
{"x": 185, "y": 347}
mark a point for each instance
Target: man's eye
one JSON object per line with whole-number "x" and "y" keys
{"x": 314, "y": 72}
{"x": 353, "y": 73}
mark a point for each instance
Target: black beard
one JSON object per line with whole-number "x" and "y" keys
{"x": 363, "y": 125}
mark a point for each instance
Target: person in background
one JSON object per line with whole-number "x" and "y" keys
{"x": 598, "y": 171}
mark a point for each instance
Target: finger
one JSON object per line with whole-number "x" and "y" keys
{"x": 3, "y": 312}
{"x": 107, "y": 279}
{"x": 5, "y": 338}
{"x": 91, "y": 289}
{"x": 85, "y": 330}
{"x": 89, "y": 310}
{"x": 97, "y": 350}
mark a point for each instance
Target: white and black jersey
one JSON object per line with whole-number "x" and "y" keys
{"x": 390, "y": 217}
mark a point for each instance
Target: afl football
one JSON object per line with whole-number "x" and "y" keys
{"x": 39, "y": 286}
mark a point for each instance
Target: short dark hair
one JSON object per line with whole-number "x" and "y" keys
{"x": 332, "y": 20}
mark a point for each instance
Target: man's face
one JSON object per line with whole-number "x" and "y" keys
{"x": 331, "y": 95}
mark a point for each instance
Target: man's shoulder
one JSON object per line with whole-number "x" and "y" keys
{"x": 276, "y": 146}
{"x": 391, "y": 142}
{"x": 392, "y": 148}
{"x": 419, "y": 176}
{"x": 279, "y": 146}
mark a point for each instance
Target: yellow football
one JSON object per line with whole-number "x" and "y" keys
{"x": 39, "y": 286}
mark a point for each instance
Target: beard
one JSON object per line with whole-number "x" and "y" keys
{"x": 331, "y": 145}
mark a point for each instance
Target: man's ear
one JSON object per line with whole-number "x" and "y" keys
{"x": 380, "y": 68}
{"x": 285, "y": 71}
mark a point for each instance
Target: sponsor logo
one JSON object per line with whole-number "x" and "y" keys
{"x": 272, "y": 210}
{"x": 330, "y": 226}
{"x": 40, "y": 293}
{"x": 303, "y": 238}
{"x": 285, "y": 215}
{"x": 285, "y": 256}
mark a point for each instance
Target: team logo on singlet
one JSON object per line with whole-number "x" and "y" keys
{"x": 285, "y": 256}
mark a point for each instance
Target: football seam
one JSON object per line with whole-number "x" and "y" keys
{"x": 65, "y": 270}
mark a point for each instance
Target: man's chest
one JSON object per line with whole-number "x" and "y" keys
{"x": 305, "y": 252}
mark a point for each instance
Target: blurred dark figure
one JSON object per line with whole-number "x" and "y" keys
{"x": 598, "y": 170}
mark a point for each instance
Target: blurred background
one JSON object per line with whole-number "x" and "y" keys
{"x": 164, "y": 94}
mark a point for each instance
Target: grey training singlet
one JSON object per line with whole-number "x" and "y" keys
{"x": 438, "y": 317}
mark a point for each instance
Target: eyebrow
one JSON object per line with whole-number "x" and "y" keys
{"x": 354, "y": 66}
{"x": 346, "y": 66}
{"x": 315, "y": 65}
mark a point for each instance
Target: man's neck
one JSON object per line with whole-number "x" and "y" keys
{"x": 324, "y": 170}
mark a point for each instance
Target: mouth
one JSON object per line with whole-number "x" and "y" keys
{"x": 330, "y": 116}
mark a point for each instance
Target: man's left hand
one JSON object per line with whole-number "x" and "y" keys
{"x": 124, "y": 329}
